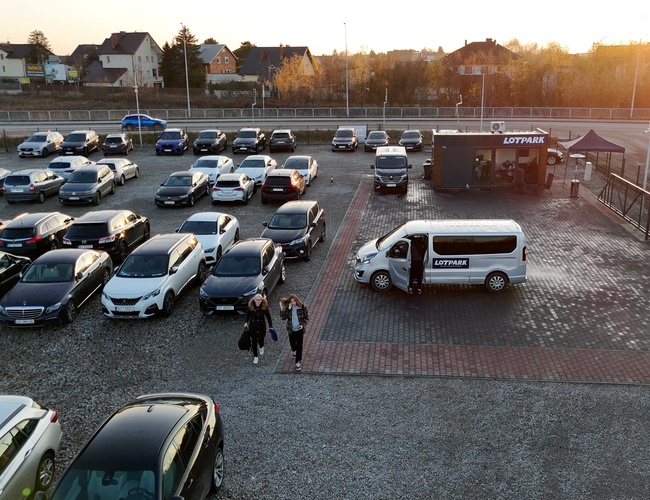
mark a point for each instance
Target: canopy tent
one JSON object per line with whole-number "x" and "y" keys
{"x": 591, "y": 141}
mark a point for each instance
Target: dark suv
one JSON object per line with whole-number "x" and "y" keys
{"x": 282, "y": 140}
{"x": 117, "y": 232}
{"x": 345, "y": 139}
{"x": 283, "y": 184}
{"x": 297, "y": 226}
{"x": 88, "y": 185}
{"x": 31, "y": 185}
{"x": 249, "y": 140}
{"x": 80, "y": 142}
{"x": 34, "y": 234}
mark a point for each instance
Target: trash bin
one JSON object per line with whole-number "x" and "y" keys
{"x": 575, "y": 187}
{"x": 427, "y": 169}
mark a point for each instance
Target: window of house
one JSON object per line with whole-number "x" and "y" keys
{"x": 226, "y": 60}
{"x": 108, "y": 59}
{"x": 3, "y": 69}
{"x": 218, "y": 60}
{"x": 147, "y": 58}
{"x": 139, "y": 58}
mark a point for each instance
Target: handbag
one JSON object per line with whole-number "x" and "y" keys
{"x": 274, "y": 334}
{"x": 244, "y": 341}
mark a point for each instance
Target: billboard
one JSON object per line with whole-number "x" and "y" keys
{"x": 55, "y": 72}
{"x": 35, "y": 70}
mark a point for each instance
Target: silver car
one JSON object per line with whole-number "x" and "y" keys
{"x": 122, "y": 168}
{"x": 213, "y": 166}
{"x": 30, "y": 435}
{"x": 40, "y": 144}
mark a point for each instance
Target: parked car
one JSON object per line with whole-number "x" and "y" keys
{"x": 64, "y": 166}
{"x": 30, "y": 435}
{"x": 249, "y": 140}
{"x": 154, "y": 276}
{"x": 4, "y": 173}
{"x": 345, "y": 138}
{"x": 173, "y": 141}
{"x": 80, "y": 142}
{"x": 122, "y": 169}
{"x": 158, "y": 446}
{"x": 88, "y": 185}
{"x": 297, "y": 226}
{"x": 134, "y": 122}
{"x": 375, "y": 139}
{"x": 210, "y": 142}
{"x": 55, "y": 286}
{"x": 11, "y": 267}
{"x": 307, "y": 166}
{"x": 554, "y": 156}
{"x": 233, "y": 187}
{"x": 282, "y": 140}
{"x": 31, "y": 185}
{"x": 247, "y": 268}
{"x": 182, "y": 188}
{"x": 33, "y": 234}
{"x": 257, "y": 167}
{"x": 213, "y": 166}
{"x": 283, "y": 185}
{"x": 412, "y": 140}
{"x": 117, "y": 144}
{"x": 215, "y": 231}
{"x": 40, "y": 144}
{"x": 116, "y": 232}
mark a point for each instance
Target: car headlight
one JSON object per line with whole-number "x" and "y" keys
{"x": 152, "y": 294}
{"x": 203, "y": 294}
{"x": 251, "y": 292}
{"x": 209, "y": 250}
{"x": 296, "y": 241}
{"x": 2, "y": 310}
{"x": 53, "y": 308}
{"x": 364, "y": 259}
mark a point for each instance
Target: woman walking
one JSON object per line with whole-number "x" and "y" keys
{"x": 257, "y": 317}
{"x": 294, "y": 312}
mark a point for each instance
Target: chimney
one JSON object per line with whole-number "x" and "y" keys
{"x": 115, "y": 40}
{"x": 465, "y": 43}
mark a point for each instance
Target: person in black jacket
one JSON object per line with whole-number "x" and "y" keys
{"x": 257, "y": 317}
{"x": 294, "y": 312}
{"x": 418, "y": 250}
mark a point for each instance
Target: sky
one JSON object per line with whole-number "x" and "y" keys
{"x": 326, "y": 27}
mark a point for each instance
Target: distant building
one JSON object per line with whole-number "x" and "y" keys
{"x": 480, "y": 58}
{"x": 262, "y": 62}
{"x": 219, "y": 61}
{"x": 14, "y": 61}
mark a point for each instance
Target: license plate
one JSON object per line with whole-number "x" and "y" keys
{"x": 14, "y": 245}
{"x": 16, "y": 190}
{"x": 24, "y": 321}
{"x": 113, "y": 147}
{"x": 341, "y": 147}
{"x": 167, "y": 150}
{"x": 169, "y": 203}
{"x": 391, "y": 185}
{"x": 85, "y": 246}
{"x": 225, "y": 308}
{"x": 124, "y": 309}
{"x": 73, "y": 198}
{"x": 204, "y": 149}
{"x": 278, "y": 189}
{"x": 226, "y": 191}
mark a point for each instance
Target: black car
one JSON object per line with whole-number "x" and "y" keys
{"x": 34, "y": 234}
{"x": 55, "y": 286}
{"x": 247, "y": 268}
{"x": 297, "y": 226}
{"x": 80, "y": 142}
{"x": 412, "y": 139}
{"x": 89, "y": 184}
{"x": 10, "y": 268}
{"x": 158, "y": 446}
{"x": 345, "y": 139}
{"x": 116, "y": 232}
{"x": 210, "y": 142}
{"x": 117, "y": 144}
{"x": 33, "y": 184}
{"x": 249, "y": 140}
{"x": 282, "y": 140}
{"x": 283, "y": 184}
{"x": 182, "y": 188}
{"x": 375, "y": 139}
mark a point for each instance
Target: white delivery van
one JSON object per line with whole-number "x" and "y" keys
{"x": 481, "y": 251}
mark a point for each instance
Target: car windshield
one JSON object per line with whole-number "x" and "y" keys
{"x": 287, "y": 221}
{"x": 343, "y": 133}
{"x": 388, "y": 239}
{"x": 228, "y": 183}
{"x": 170, "y": 135}
{"x": 411, "y": 135}
{"x": 252, "y": 163}
{"x": 76, "y": 138}
{"x": 144, "y": 266}
{"x": 80, "y": 482}
{"x": 48, "y": 273}
{"x": 17, "y": 233}
{"x": 199, "y": 227}
{"x": 207, "y": 135}
{"x": 90, "y": 231}
{"x": 37, "y": 138}
{"x": 391, "y": 162}
{"x": 376, "y": 135}
{"x": 113, "y": 140}
{"x": 296, "y": 163}
{"x": 238, "y": 266}
{"x": 247, "y": 134}
{"x": 177, "y": 180}
{"x": 205, "y": 163}
{"x": 17, "y": 180}
{"x": 82, "y": 177}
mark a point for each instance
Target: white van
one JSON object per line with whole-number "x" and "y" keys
{"x": 488, "y": 252}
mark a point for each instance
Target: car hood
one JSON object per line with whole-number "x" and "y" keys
{"x": 229, "y": 286}
{"x": 376, "y": 141}
{"x": 199, "y": 142}
{"x": 169, "y": 142}
{"x": 33, "y": 144}
{"x": 132, "y": 287}
{"x": 77, "y": 187}
{"x": 253, "y": 173}
{"x": 368, "y": 249}
{"x": 173, "y": 190}
{"x": 415, "y": 140}
{"x": 244, "y": 140}
{"x": 36, "y": 294}
{"x": 207, "y": 240}
{"x": 72, "y": 143}
{"x": 283, "y": 235}
{"x": 342, "y": 140}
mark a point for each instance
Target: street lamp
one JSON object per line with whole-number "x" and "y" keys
{"x": 347, "y": 93}
{"x": 253, "y": 105}
{"x": 647, "y": 161}
{"x": 385, "y": 102}
{"x": 187, "y": 79}
{"x": 137, "y": 99}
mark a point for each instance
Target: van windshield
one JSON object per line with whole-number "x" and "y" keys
{"x": 391, "y": 162}
{"x": 387, "y": 240}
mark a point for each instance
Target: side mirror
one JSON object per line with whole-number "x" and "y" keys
{"x": 79, "y": 275}
{"x": 177, "y": 229}
{"x": 372, "y": 167}
{"x": 265, "y": 224}
{"x": 410, "y": 166}
{"x": 173, "y": 270}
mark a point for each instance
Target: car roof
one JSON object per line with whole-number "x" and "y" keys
{"x": 174, "y": 129}
{"x": 80, "y": 131}
{"x": 161, "y": 244}
{"x": 28, "y": 171}
{"x": 30, "y": 219}
{"x": 295, "y": 206}
{"x": 281, "y": 172}
{"x": 60, "y": 159}
{"x": 249, "y": 128}
{"x": 205, "y": 216}
{"x": 99, "y": 216}
{"x": 258, "y": 157}
{"x": 92, "y": 166}
{"x": 248, "y": 246}
{"x": 115, "y": 135}
{"x": 62, "y": 256}
{"x": 229, "y": 177}
{"x": 11, "y": 407}
{"x": 282, "y": 130}
{"x": 210, "y": 130}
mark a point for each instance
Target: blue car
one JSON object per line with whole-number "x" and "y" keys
{"x": 173, "y": 141}
{"x": 130, "y": 122}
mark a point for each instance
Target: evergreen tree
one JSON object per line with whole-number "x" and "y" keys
{"x": 40, "y": 47}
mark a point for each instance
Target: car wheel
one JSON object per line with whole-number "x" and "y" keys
{"x": 137, "y": 173}
{"x": 381, "y": 281}
{"x": 191, "y": 201}
{"x": 551, "y": 160}
{"x": 168, "y": 304}
{"x": 322, "y": 234}
{"x": 122, "y": 251}
{"x": 113, "y": 188}
{"x": 217, "y": 471}
{"x": 202, "y": 272}
{"x": 44, "y": 153}
{"x": 122, "y": 180}
{"x": 307, "y": 256}
{"x": 147, "y": 233}
{"x": 283, "y": 274}
{"x": 45, "y": 472}
{"x": 496, "y": 282}
{"x": 97, "y": 199}
{"x": 41, "y": 197}
{"x": 70, "y": 312}
{"x": 106, "y": 275}
{"x": 237, "y": 235}
{"x": 126, "y": 151}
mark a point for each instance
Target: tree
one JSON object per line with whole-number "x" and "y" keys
{"x": 292, "y": 83}
{"x": 242, "y": 53}
{"x": 172, "y": 64}
{"x": 210, "y": 41}
{"x": 40, "y": 47}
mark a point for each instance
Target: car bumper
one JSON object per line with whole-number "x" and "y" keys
{"x": 294, "y": 251}
{"x": 77, "y": 200}
{"x": 229, "y": 197}
{"x": 224, "y": 305}
{"x": 114, "y": 151}
{"x": 281, "y": 196}
{"x": 21, "y": 197}
{"x": 169, "y": 150}
{"x": 342, "y": 147}
{"x": 134, "y": 308}
{"x": 206, "y": 149}
{"x": 172, "y": 203}
{"x": 24, "y": 154}
{"x": 27, "y": 322}
{"x": 282, "y": 147}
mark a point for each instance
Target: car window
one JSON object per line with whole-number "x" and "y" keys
{"x": 130, "y": 218}
{"x": 12, "y": 441}
{"x": 144, "y": 266}
{"x": 172, "y": 471}
{"x": 238, "y": 266}
{"x": 267, "y": 257}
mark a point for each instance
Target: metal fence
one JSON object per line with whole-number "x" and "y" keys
{"x": 628, "y": 200}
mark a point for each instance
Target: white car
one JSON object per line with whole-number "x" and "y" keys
{"x": 65, "y": 165}
{"x": 306, "y": 166}
{"x": 233, "y": 187}
{"x": 122, "y": 168}
{"x": 153, "y": 277}
{"x": 40, "y": 144}
{"x": 30, "y": 435}
{"x": 215, "y": 231}
{"x": 257, "y": 167}
{"x": 213, "y": 166}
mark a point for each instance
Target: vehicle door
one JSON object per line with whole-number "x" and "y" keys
{"x": 450, "y": 260}
{"x": 317, "y": 217}
{"x": 270, "y": 266}
{"x": 226, "y": 227}
{"x": 399, "y": 263}
{"x": 133, "y": 228}
{"x": 8, "y": 272}
{"x": 15, "y": 446}
{"x": 129, "y": 168}
{"x": 54, "y": 182}
{"x": 105, "y": 179}
{"x": 197, "y": 452}
{"x": 60, "y": 224}
{"x": 83, "y": 278}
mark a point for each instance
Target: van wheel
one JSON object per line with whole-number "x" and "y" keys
{"x": 381, "y": 281}
{"x": 496, "y": 282}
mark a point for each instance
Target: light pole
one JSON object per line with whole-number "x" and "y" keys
{"x": 347, "y": 93}
{"x": 647, "y": 161}
{"x": 137, "y": 100}
{"x": 385, "y": 101}
{"x": 253, "y": 105}
{"x": 482, "y": 98}
{"x": 187, "y": 78}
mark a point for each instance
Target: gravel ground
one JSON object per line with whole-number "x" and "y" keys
{"x": 324, "y": 436}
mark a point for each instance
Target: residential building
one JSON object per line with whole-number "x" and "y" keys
{"x": 220, "y": 63}
{"x": 14, "y": 61}
{"x": 262, "y": 62}
{"x": 480, "y": 58}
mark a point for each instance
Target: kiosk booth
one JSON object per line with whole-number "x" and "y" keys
{"x": 488, "y": 159}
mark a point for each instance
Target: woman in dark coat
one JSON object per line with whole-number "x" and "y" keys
{"x": 294, "y": 312}
{"x": 257, "y": 317}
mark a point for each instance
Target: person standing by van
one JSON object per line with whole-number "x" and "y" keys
{"x": 256, "y": 318}
{"x": 418, "y": 249}
{"x": 294, "y": 312}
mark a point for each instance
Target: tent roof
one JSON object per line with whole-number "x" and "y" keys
{"x": 591, "y": 141}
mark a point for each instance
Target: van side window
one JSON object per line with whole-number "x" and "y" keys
{"x": 494, "y": 244}
{"x": 467, "y": 245}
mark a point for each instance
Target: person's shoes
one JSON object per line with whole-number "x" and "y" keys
{"x": 420, "y": 291}
{"x": 293, "y": 353}
{"x": 261, "y": 351}
{"x": 255, "y": 360}
{"x": 298, "y": 366}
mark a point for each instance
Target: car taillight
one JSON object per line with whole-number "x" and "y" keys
{"x": 107, "y": 239}
{"x": 32, "y": 188}
{"x": 216, "y": 408}
{"x": 523, "y": 257}
{"x": 35, "y": 239}
{"x": 238, "y": 189}
{"x": 54, "y": 417}
{"x": 215, "y": 188}
{"x": 66, "y": 241}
